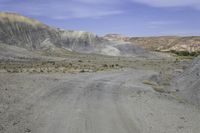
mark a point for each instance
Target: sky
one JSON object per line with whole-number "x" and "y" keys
{"x": 127, "y": 17}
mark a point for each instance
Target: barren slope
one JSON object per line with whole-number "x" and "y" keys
{"x": 188, "y": 83}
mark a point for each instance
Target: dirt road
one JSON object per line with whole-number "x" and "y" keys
{"x": 103, "y": 102}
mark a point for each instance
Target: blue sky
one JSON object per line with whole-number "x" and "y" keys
{"x": 128, "y": 17}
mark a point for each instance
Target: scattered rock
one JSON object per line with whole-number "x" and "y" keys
{"x": 27, "y": 130}
{"x": 1, "y": 128}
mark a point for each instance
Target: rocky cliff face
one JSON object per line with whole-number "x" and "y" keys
{"x": 30, "y": 34}
{"x": 79, "y": 40}
{"x": 24, "y": 32}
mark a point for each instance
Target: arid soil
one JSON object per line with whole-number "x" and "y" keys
{"x": 133, "y": 96}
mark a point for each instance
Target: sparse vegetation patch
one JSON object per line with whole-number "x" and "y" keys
{"x": 186, "y": 53}
{"x": 156, "y": 87}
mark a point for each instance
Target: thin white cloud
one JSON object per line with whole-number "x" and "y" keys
{"x": 66, "y": 9}
{"x": 83, "y": 11}
{"x": 170, "y": 3}
{"x": 86, "y": 14}
{"x": 164, "y": 22}
{"x": 161, "y": 23}
{"x": 179, "y": 32}
{"x": 99, "y": 1}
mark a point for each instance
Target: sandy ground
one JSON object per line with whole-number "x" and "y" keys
{"x": 102, "y": 102}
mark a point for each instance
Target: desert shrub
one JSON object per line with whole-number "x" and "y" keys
{"x": 112, "y": 66}
{"x": 105, "y": 65}
{"x": 70, "y": 64}
{"x": 183, "y": 53}
{"x": 9, "y": 70}
{"x": 186, "y": 53}
{"x": 82, "y": 71}
{"x": 15, "y": 70}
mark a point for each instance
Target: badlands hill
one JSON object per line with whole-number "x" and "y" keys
{"x": 162, "y": 43}
{"x": 30, "y": 34}
{"x": 19, "y": 33}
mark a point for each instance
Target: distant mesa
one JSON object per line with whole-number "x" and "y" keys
{"x": 161, "y": 43}
{"x": 116, "y": 37}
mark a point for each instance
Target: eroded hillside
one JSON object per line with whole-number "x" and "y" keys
{"x": 162, "y": 43}
{"x": 32, "y": 35}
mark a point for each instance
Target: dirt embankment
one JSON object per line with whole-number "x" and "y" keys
{"x": 188, "y": 83}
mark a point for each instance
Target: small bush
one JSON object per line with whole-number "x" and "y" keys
{"x": 105, "y": 65}
{"x": 159, "y": 88}
{"x": 186, "y": 53}
{"x": 150, "y": 82}
{"x": 112, "y": 66}
{"x": 82, "y": 71}
{"x": 155, "y": 86}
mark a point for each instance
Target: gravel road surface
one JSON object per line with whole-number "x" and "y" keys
{"x": 103, "y": 102}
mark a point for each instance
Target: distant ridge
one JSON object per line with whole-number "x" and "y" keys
{"x": 161, "y": 43}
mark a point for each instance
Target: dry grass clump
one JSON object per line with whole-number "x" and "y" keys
{"x": 14, "y": 17}
{"x": 156, "y": 87}
{"x": 179, "y": 98}
{"x": 150, "y": 83}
